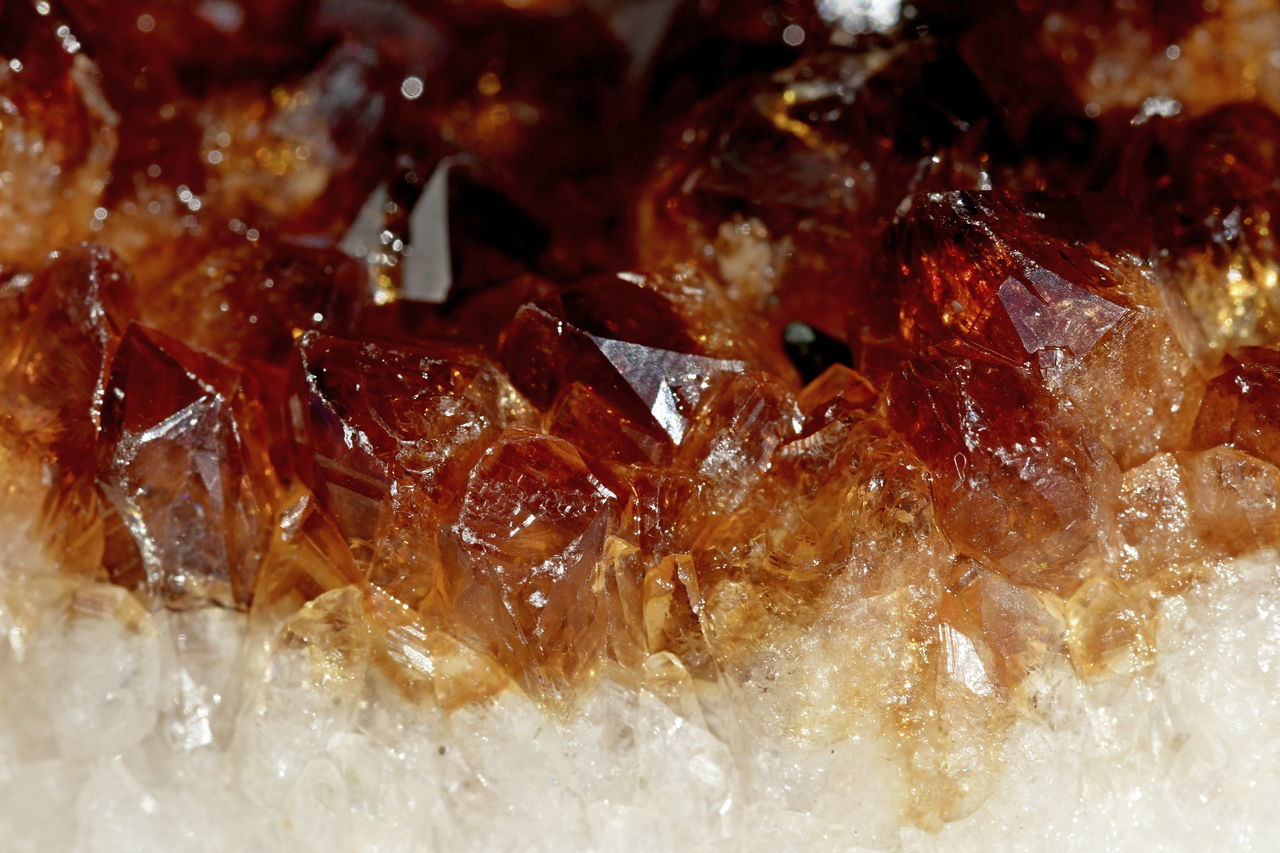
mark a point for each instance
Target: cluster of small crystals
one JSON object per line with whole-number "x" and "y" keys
{"x": 507, "y": 346}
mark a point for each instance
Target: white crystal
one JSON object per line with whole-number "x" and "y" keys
{"x": 184, "y": 731}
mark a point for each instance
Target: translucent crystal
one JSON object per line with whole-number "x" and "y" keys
{"x": 522, "y": 557}
{"x": 57, "y": 142}
{"x": 182, "y": 456}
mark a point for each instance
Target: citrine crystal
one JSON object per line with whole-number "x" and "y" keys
{"x": 531, "y": 346}
{"x": 59, "y": 137}
{"x": 184, "y": 460}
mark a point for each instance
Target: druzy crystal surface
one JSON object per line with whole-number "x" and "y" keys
{"x": 520, "y": 348}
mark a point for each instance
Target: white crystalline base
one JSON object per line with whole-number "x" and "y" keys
{"x": 115, "y": 740}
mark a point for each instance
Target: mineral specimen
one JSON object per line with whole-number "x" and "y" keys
{"x": 533, "y": 348}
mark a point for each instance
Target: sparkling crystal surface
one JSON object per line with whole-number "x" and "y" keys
{"x": 514, "y": 349}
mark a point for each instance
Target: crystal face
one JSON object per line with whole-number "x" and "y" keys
{"x": 544, "y": 342}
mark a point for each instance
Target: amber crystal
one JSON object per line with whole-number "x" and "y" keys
{"x": 915, "y": 357}
{"x": 54, "y": 368}
{"x": 242, "y": 301}
{"x": 1103, "y": 333}
{"x": 524, "y": 556}
{"x": 386, "y": 437}
{"x": 784, "y": 185}
{"x": 1242, "y": 406}
{"x": 657, "y": 388}
{"x": 183, "y": 458}
{"x": 1122, "y": 56}
{"x": 1209, "y": 182}
{"x": 292, "y": 154}
{"x": 999, "y": 450}
{"x": 59, "y": 137}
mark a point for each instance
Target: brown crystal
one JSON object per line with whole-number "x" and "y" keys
{"x": 522, "y": 555}
{"x": 1241, "y": 407}
{"x": 784, "y": 186}
{"x": 386, "y": 436}
{"x": 1095, "y": 57}
{"x": 54, "y": 365}
{"x": 293, "y": 154}
{"x": 243, "y": 301}
{"x": 1209, "y": 182}
{"x": 1017, "y": 481}
{"x": 980, "y": 271}
{"x": 183, "y": 458}
{"x": 57, "y": 139}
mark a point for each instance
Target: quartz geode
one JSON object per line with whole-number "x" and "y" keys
{"x": 891, "y": 355}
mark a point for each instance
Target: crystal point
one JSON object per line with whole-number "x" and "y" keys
{"x": 655, "y": 386}
{"x": 523, "y": 554}
{"x": 183, "y": 459}
{"x": 1048, "y": 312}
{"x": 670, "y": 384}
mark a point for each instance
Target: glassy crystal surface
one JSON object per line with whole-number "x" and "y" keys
{"x": 183, "y": 459}
{"x": 506, "y": 348}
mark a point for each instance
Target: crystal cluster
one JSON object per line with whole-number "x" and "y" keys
{"x": 519, "y": 348}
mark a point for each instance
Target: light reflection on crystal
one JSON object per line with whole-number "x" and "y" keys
{"x": 862, "y": 16}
